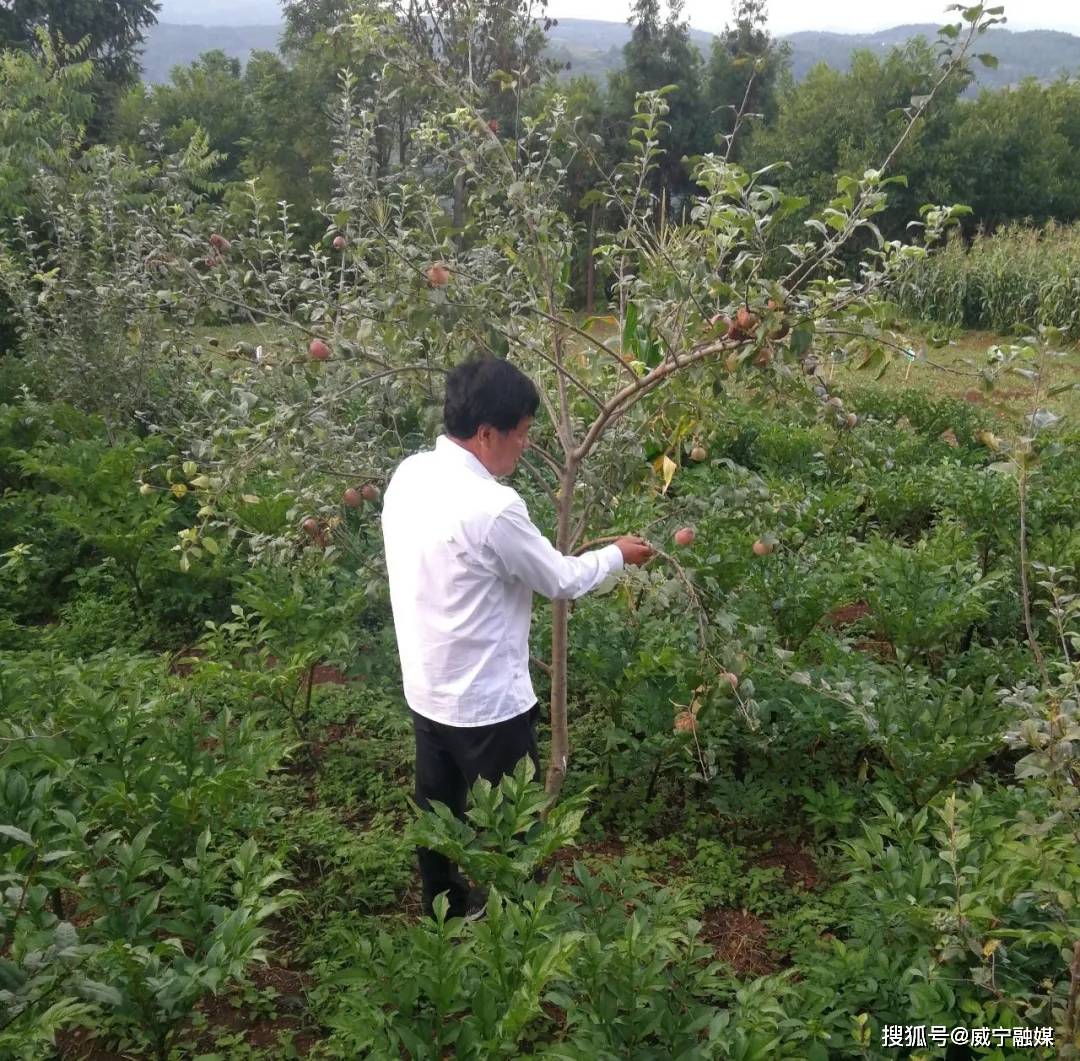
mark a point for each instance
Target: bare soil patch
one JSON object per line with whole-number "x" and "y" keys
{"x": 740, "y": 941}
{"x": 798, "y": 866}
{"x": 846, "y": 614}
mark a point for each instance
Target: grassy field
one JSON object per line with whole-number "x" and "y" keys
{"x": 953, "y": 370}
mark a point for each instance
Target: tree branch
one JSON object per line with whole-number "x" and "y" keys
{"x": 629, "y": 396}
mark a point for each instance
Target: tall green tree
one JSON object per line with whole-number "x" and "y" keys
{"x": 306, "y": 19}
{"x": 834, "y": 122}
{"x": 45, "y": 104}
{"x": 660, "y": 53}
{"x": 1011, "y": 154}
{"x": 743, "y": 74}
{"x": 115, "y": 28}
{"x": 208, "y": 94}
{"x": 289, "y": 110}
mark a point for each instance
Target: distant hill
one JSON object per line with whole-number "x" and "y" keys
{"x": 1042, "y": 53}
{"x": 169, "y": 45}
{"x": 192, "y": 27}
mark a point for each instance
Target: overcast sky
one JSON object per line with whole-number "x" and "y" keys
{"x": 843, "y": 16}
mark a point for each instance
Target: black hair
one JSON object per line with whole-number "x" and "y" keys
{"x": 487, "y": 390}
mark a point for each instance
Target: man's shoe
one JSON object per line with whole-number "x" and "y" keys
{"x": 476, "y": 904}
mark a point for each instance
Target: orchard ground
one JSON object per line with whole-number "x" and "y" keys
{"x": 757, "y": 833}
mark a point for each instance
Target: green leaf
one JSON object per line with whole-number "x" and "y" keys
{"x": 802, "y": 335}
{"x": 96, "y": 991}
{"x": 55, "y": 856}
{"x": 988, "y": 60}
{"x": 18, "y": 834}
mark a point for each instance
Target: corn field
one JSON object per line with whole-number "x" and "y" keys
{"x": 1017, "y": 276}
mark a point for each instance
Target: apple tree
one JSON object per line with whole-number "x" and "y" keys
{"x": 356, "y": 331}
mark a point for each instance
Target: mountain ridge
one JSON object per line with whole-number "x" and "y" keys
{"x": 594, "y": 47}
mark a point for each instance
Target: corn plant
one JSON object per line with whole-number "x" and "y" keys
{"x": 1014, "y": 278}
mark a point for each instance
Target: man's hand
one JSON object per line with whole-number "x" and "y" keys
{"x": 635, "y": 550}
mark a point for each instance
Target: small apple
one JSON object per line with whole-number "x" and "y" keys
{"x": 493, "y": 124}
{"x": 746, "y": 321}
{"x": 318, "y": 350}
{"x": 219, "y": 242}
{"x": 370, "y": 492}
{"x": 731, "y": 679}
{"x": 146, "y": 489}
{"x": 685, "y": 536}
{"x": 340, "y": 243}
{"x": 762, "y": 548}
{"x": 311, "y": 526}
{"x": 698, "y": 454}
{"x": 850, "y": 420}
{"x": 352, "y": 497}
{"x": 438, "y": 275}
{"x": 685, "y": 722}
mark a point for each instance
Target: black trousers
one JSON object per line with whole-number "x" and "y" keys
{"x": 449, "y": 759}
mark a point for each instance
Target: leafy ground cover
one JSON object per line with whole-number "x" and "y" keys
{"x": 206, "y": 825}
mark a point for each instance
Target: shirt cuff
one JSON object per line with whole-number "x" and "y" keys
{"x": 613, "y": 558}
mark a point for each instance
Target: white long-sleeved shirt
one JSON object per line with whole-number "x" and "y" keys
{"x": 464, "y": 560}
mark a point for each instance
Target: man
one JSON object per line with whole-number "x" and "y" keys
{"x": 464, "y": 560}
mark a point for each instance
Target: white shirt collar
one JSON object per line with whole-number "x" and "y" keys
{"x": 448, "y": 449}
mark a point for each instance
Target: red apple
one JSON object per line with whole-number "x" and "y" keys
{"x": 438, "y": 275}
{"x": 370, "y": 492}
{"x": 352, "y": 497}
{"x": 698, "y": 453}
{"x": 311, "y": 526}
{"x": 745, "y": 320}
{"x": 340, "y": 243}
{"x": 684, "y": 536}
{"x": 731, "y": 679}
{"x": 219, "y": 242}
{"x": 762, "y": 548}
{"x": 685, "y": 722}
{"x": 318, "y": 350}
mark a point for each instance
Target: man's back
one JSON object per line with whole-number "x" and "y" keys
{"x": 462, "y": 630}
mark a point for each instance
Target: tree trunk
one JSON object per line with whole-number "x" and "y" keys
{"x": 590, "y": 265}
{"x": 560, "y": 617}
{"x": 403, "y": 135}
{"x": 459, "y": 207}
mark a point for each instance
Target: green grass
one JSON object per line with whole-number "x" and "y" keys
{"x": 952, "y": 370}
